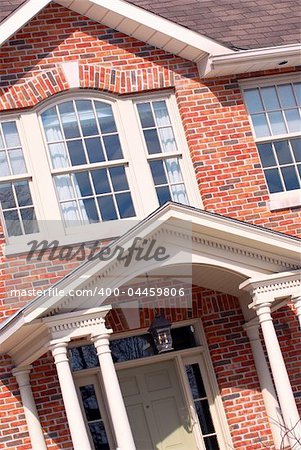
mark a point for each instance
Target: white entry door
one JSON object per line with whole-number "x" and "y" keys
{"x": 156, "y": 408}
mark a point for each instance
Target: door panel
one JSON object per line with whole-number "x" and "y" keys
{"x": 157, "y": 412}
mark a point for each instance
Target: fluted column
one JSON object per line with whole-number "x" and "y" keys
{"x": 281, "y": 380}
{"x": 74, "y": 414}
{"x": 120, "y": 421}
{"x": 266, "y": 383}
{"x": 31, "y": 414}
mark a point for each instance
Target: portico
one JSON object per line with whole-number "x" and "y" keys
{"x": 261, "y": 267}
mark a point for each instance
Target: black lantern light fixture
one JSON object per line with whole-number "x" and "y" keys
{"x": 160, "y": 330}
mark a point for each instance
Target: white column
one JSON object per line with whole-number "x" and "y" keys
{"x": 266, "y": 383}
{"x": 120, "y": 421}
{"x": 30, "y": 410}
{"x": 282, "y": 383}
{"x": 75, "y": 418}
{"x": 297, "y": 303}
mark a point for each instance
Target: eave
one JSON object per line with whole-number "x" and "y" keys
{"x": 251, "y": 61}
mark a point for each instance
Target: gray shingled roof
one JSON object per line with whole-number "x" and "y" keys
{"x": 236, "y": 23}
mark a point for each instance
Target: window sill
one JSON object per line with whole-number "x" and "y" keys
{"x": 283, "y": 200}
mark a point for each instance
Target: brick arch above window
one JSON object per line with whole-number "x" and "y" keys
{"x": 28, "y": 92}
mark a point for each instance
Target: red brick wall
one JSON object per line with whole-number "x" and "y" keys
{"x": 232, "y": 361}
{"x": 228, "y": 171}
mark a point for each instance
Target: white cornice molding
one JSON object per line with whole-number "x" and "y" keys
{"x": 273, "y": 287}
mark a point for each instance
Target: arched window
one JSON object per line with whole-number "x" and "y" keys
{"x": 87, "y": 161}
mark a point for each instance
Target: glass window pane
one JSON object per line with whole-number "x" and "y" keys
{"x": 299, "y": 169}
{"x": 158, "y": 172}
{"x": 52, "y": 125}
{"x": 146, "y": 115}
{"x": 178, "y": 193}
{"x": 296, "y": 146}
{"x": 11, "y": 134}
{"x": 105, "y": 117}
{"x": 89, "y": 211}
{"x": 290, "y": 178}
{"x": 12, "y": 222}
{"x": 286, "y": 95}
{"x": 173, "y": 170}
{"x": 86, "y": 117}
{"x": 152, "y": 141}
{"x": 100, "y": 181}
{"x": 163, "y": 194}
{"x": 167, "y": 140}
{"x": 69, "y": 120}
{"x": 82, "y": 184}
{"x": 297, "y": 89}
{"x": 23, "y": 193}
{"x": 119, "y": 179}
{"x": 90, "y": 402}
{"x": 253, "y": 100}
{"x": 125, "y": 205}
{"x": 58, "y": 155}
{"x": 283, "y": 152}
{"x": 277, "y": 123}
{"x": 293, "y": 120}
{"x": 107, "y": 208}
{"x": 211, "y": 443}
{"x": 204, "y": 415}
{"x": 266, "y": 155}
{"x": 29, "y": 220}
{"x": 113, "y": 147}
{"x": 4, "y": 168}
{"x": 161, "y": 113}
{"x": 270, "y": 98}
{"x": 64, "y": 187}
{"x": 76, "y": 153}
{"x": 95, "y": 150}
{"x": 84, "y": 357}
{"x": 273, "y": 180}
{"x": 1, "y": 140}
{"x": 17, "y": 161}
{"x": 99, "y": 436}
{"x": 7, "y": 199}
{"x": 70, "y": 214}
{"x": 195, "y": 381}
{"x": 260, "y": 125}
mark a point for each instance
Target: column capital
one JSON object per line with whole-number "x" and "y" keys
{"x": 21, "y": 373}
{"x": 263, "y": 311}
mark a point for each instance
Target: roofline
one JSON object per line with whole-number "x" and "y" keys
{"x": 190, "y": 39}
{"x": 219, "y": 222}
{"x": 231, "y": 63}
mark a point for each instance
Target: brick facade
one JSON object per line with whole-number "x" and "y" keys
{"x": 230, "y": 180}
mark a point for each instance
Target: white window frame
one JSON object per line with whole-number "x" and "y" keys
{"x": 199, "y": 355}
{"x": 41, "y": 173}
{"x": 28, "y": 176}
{"x": 285, "y": 199}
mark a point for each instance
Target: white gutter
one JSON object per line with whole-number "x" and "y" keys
{"x": 233, "y": 63}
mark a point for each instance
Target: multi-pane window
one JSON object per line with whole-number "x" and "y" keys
{"x": 82, "y": 134}
{"x": 163, "y": 154}
{"x": 15, "y": 196}
{"x": 201, "y": 404}
{"x": 275, "y": 114}
{"x": 93, "y": 417}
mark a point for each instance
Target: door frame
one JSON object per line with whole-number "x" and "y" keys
{"x": 200, "y": 355}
